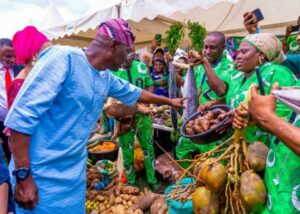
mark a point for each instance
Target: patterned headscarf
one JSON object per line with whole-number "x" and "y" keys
{"x": 117, "y": 29}
{"x": 268, "y": 44}
{"x": 27, "y": 43}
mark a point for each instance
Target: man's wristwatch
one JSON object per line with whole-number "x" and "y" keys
{"x": 22, "y": 173}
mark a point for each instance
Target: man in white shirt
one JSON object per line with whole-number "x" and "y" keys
{"x": 7, "y": 74}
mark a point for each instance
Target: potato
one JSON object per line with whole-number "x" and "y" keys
{"x": 124, "y": 202}
{"x": 120, "y": 209}
{"x": 102, "y": 207}
{"x": 130, "y": 190}
{"x": 189, "y": 131}
{"x": 118, "y": 200}
{"x": 112, "y": 200}
{"x": 197, "y": 129}
{"x": 100, "y": 198}
{"x": 138, "y": 211}
{"x": 125, "y": 196}
{"x": 129, "y": 203}
{"x": 133, "y": 199}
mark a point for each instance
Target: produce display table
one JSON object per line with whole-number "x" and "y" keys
{"x": 162, "y": 127}
{"x": 162, "y": 136}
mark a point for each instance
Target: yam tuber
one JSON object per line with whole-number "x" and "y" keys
{"x": 159, "y": 206}
{"x": 144, "y": 200}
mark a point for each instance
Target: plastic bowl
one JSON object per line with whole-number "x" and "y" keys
{"x": 210, "y": 135}
{"x": 105, "y": 155}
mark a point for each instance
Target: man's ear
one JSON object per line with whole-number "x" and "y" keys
{"x": 113, "y": 44}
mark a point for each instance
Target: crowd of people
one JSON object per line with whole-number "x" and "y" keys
{"x": 52, "y": 96}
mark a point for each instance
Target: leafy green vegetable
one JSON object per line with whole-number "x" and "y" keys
{"x": 197, "y": 34}
{"x": 174, "y": 36}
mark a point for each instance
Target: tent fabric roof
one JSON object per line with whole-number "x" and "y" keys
{"x": 148, "y": 17}
{"x": 52, "y": 18}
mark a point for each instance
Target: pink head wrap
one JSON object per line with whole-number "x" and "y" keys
{"x": 27, "y": 43}
{"x": 117, "y": 29}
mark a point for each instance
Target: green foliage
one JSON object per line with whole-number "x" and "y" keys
{"x": 197, "y": 34}
{"x": 174, "y": 36}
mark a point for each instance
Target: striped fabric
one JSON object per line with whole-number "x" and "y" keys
{"x": 117, "y": 29}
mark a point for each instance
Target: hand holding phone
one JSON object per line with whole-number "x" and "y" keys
{"x": 295, "y": 28}
{"x": 258, "y": 15}
{"x": 158, "y": 38}
{"x": 250, "y": 22}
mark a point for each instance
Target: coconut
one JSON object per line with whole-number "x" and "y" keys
{"x": 257, "y": 156}
{"x": 253, "y": 191}
{"x": 212, "y": 174}
{"x": 205, "y": 201}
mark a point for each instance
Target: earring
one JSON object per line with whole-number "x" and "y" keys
{"x": 260, "y": 60}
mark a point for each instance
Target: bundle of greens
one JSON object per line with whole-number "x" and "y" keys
{"x": 197, "y": 33}
{"x": 174, "y": 36}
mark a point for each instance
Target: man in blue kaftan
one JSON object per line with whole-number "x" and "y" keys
{"x": 55, "y": 112}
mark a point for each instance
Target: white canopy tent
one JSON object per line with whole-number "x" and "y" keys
{"x": 148, "y": 17}
{"x": 52, "y": 18}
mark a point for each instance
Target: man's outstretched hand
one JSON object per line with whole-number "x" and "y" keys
{"x": 177, "y": 103}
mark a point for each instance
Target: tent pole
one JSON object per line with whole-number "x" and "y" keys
{"x": 119, "y": 10}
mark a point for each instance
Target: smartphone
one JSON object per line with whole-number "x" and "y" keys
{"x": 158, "y": 38}
{"x": 258, "y": 14}
{"x": 295, "y": 28}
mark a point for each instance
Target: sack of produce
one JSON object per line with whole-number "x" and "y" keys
{"x": 167, "y": 168}
{"x": 179, "y": 197}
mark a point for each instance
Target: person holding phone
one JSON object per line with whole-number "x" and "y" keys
{"x": 258, "y": 50}
{"x": 291, "y": 61}
{"x": 291, "y": 39}
{"x": 156, "y": 42}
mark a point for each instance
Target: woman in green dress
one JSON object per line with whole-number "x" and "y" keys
{"x": 282, "y": 174}
{"x": 258, "y": 53}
